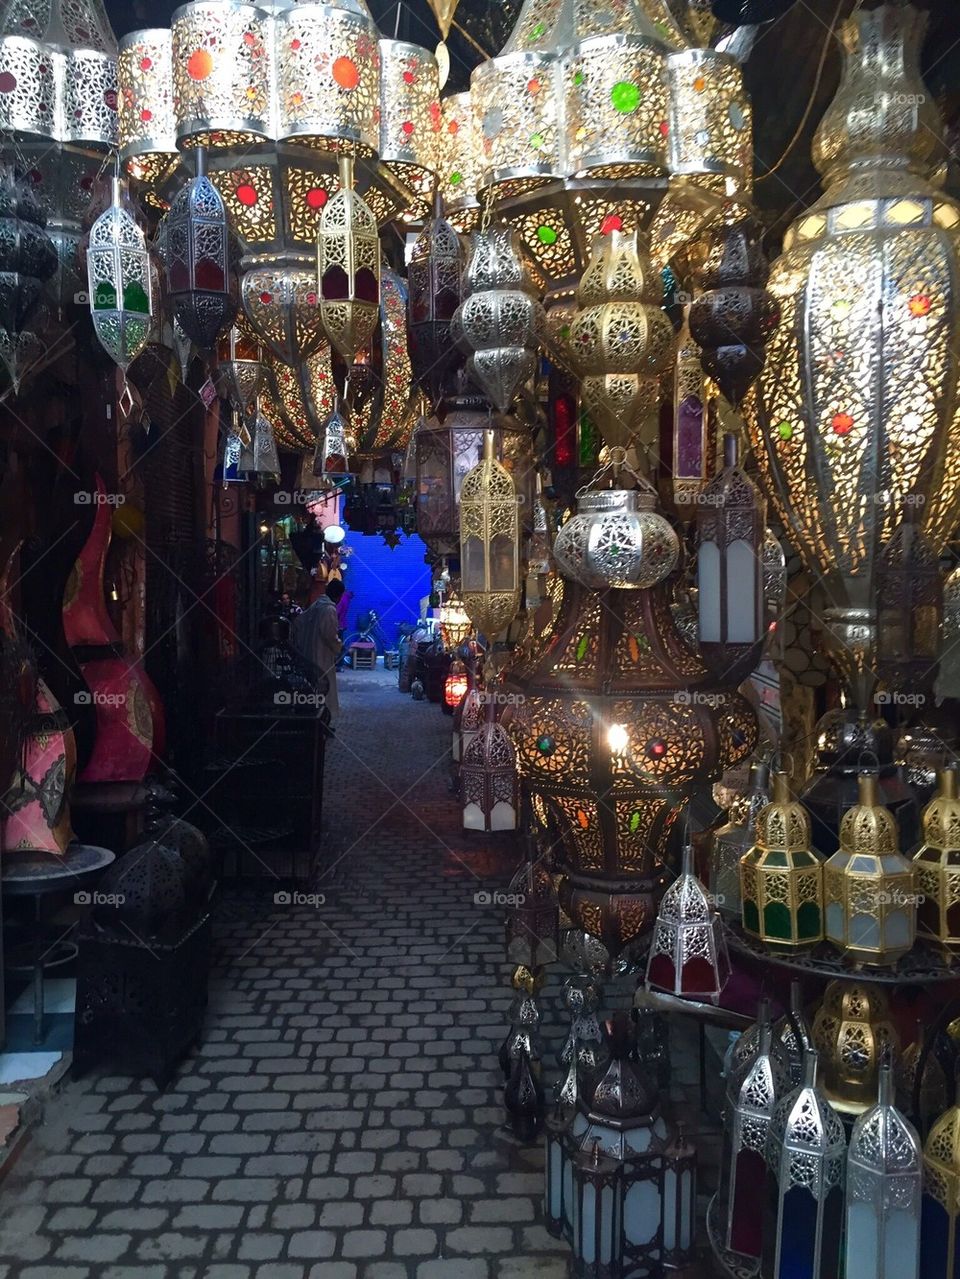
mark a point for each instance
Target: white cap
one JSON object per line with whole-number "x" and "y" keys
{"x": 333, "y": 535}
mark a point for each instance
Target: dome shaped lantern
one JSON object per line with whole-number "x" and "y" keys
{"x": 617, "y": 538}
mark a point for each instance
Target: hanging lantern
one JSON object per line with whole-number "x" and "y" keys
{"x": 937, "y": 865}
{"x": 489, "y": 783}
{"x": 119, "y": 281}
{"x": 348, "y": 267}
{"x": 459, "y": 162}
{"x": 467, "y": 721}
{"x": 197, "y": 258}
{"x": 28, "y": 258}
{"x": 240, "y": 370}
{"x": 147, "y": 127}
{"x": 729, "y": 842}
{"x": 781, "y": 878}
{"x": 730, "y": 531}
{"x": 688, "y": 955}
{"x": 281, "y": 304}
{"x": 489, "y": 544}
{"x": 806, "y": 1155}
{"x": 794, "y": 1033}
{"x": 858, "y": 397}
{"x": 435, "y": 291}
{"x": 909, "y": 591}
{"x": 774, "y": 562}
{"x": 455, "y": 685}
{"x": 621, "y": 339}
{"x": 746, "y": 1048}
{"x": 679, "y": 1202}
{"x": 410, "y": 116}
{"x": 939, "y": 1227}
{"x": 617, "y": 538}
{"x": 454, "y": 622}
{"x": 852, "y": 1032}
{"x": 330, "y": 460}
{"x": 710, "y": 124}
{"x": 869, "y": 890}
{"x": 693, "y": 449}
{"x": 221, "y": 74}
{"x": 752, "y": 1096}
{"x": 266, "y": 460}
{"x": 533, "y": 925}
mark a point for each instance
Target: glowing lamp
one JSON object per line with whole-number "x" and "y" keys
{"x": 455, "y": 685}
{"x": 120, "y": 283}
{"x": 490, "y": 544}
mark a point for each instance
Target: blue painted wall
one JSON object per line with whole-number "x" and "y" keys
{"x": 390, "y": 581}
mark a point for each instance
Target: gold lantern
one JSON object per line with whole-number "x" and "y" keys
{"x": 148, "y": 133}
{"x": 621, "y": 339}
{"x": 852, "y": 1031}
{"x": 693, "y": 425}
{"x": 348, "y": 267}
{"x": 458, "y": 162}
{"x": 710, "y": 127}
{"x": 410, "y": 118}
{"x": 781, "y": 878}
{"x": 221, "y": 73}
{"x": 240, "y": 370}
{"x": 937, "y": 864}
{"x": 869, "y": 895}
{"x": 856, "y": 411}
{"x": 517, "y": 121}
{"x": 939, "y": 1235}
{"x": 490, "y": 544}
{"x": 282, "y": 306}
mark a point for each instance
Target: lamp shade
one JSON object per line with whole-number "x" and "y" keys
{"x": 196, "y": 240}
{"x": 410, "y": 115}
{"x": 221, "y": 73}
{"x": 147, "y": 125}
{"x": 617, "y": 538}
{"x": 853, "y": 1032}
{"x": 120, "y": 283}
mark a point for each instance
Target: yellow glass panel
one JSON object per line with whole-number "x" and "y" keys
{"x": 905, "y": 212}
{"x": 853, "y": 216}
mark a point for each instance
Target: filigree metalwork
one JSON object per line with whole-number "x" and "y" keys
{"x": 458, "y": 162}
{"x": 282, "y": 306}
{"x": 489, "y": 785}
{"x": 410, "y": 116}
{"x": 490, "y": 544}
{"x": 435, "y": 291}
{"x": 617, "y": 538}
{"x": 937, "y": 865}
{"x": 688, "y": 954}
{"x": 120, "y": 284}
{"x": 852, "y": 1031}
{"x": 147, "y": 127}
{"x": 615, "y": 108}
{"x": 196, "y": 243}
{"x": 709, "y": 120}
{"x": 221, "y": 74}
{"x": 348, "y": 268}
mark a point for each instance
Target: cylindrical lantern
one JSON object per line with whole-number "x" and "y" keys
{"x": 196, "y": 243}
{"x": 148, "y": 134}
{"x": 88, "y": 98}
{"x": 328, "y": 77}
{"x": 221, "y": 74}
{"x": 435, "y": 291}
{"x": 516, "y": 118}
{"x": 852, "y": 1032}
{"x": 939, "y": 1224}
{"x": 489, "y": 544}
{"x": 709, "y": 122}
{"x": 884, "y": 1175}
{"x": 869, "y": 886}
{"x": 617, "y": 538}
{"x": 737, "y": 836}
{"x": 909, "y": 591}
{"x": 597, "y": 1200}
{"x": 458, "y": 162}
{"x": 937, "y": 864}
{"x": 688, "y": 955}
{"x": 803, "y": 1208}
{"x": 240, "y": 370}
{"x": 489, "y": 783}
{"x": 410, "y": 115}
{"x": 348, "y": 268}
{"x": 781, "y": 877}
{"x": 730, "y": 531}
{"x": 120, "y": 285}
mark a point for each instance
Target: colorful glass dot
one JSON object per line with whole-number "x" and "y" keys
{"x": 345, "y": 73}
{"x": 546, "y": 235}
{"x": 533, "y": 86}
{"x": 407, "y": 128}
{"x": 294, "y": 45}
{"x": 247, "y": 194}
{"x": 266, "y": 298}
{"x": 635, "y": 820}
{"x": 537, "y": 31}
{"x": 456, "y": 179}
{"x": 546, "y": 744}
{"x": 582, "y": 819}
{"x": 536, "y": 141}
{"x": 700, "y": 84}
{"x": 920, "y": 304}
{"x": 453, "y": 127}
{"x": 664, "y": 128}
{"x": 612, "y": 222}
{"x": 656, "y": 748}
{"x": 409, "y": 77}
{"x": 625, "y": 96}
{"x": 146, "y": 115}
{"x": 785, "y": 430}
{"x": 578, "y": 78}
{"x": 249, "y": 39}
{"x": 199, "y": 64}
{"x": 317, "y": 197}
{"x": 736, "y": 116}
{"x": 146, "y": 64}
{"x": 842, "y": 423}
{"x": 840, "y": 308}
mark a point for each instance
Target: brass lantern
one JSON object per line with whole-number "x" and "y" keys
{"x": 909, "y": 590}
{"x": 120, "y": 283}
{"x": 221, "y": 74}
{"x": 281, "y": 304}
{"x": 240, "y": 370}
{"x": 435, "y": 291}
{"x": 148, "y": 138}
{"x": 348, "y": 267}
{"x": 937, "y": 864}
{"x": 489, "y": 544}
{"x": 331, "y": 461}
{"x": 852, "y": 1032}
{"x": 940, "y": 1214}
{"x": 410, "y": 116}
{"x": 621, "y": 338}
{"x": 737, "y": 836}
{"x": 692, "y": 455}
{"x": 617, "y": 538}
{"x": 856, "y": 411}
{"x": 489, "y": 785}
{"x": 196, "y": 244}
{"x": 459, "y": 162}
{"x": 869, "y": 886}
{"x": 781, "y": 878}
{"x": 688, "y": 954}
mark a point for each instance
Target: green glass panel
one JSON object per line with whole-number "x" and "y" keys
{"x": 808, "y": 921}
{"x": 589, "y": 446}
{"x": 778, "y": 860}
{"x": 135, "y": 298}
{"x": 582, "y": 646}
{"x": 751, "y": 916}
{"x": 777, "y": 922}
{"x": 105, "y": 298}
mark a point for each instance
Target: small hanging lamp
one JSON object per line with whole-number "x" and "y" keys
{"x": 679, "y": 1203}
{"x": 617, "y": 538}
{"x": 688, "y": 955}
{"x": 348, "y": 267}
{"x": 196, "y": 243}
{"x": 435, "y": 276}
{"x": 852, "y": 1032}
{"x": 330, "y": 459}
{"x": 794, "y": 1032}
{"x": 489, "y": 544}
{"x": 240, "y": 369}
{"x": 266, "y": 460}
{"x": 489, "y": 781}
{"x": 693, "y": 429}
{"x": 737, "y": 836}
{"x": 455, "y": 685}
{"x": 937, "y": 865}
{"x": 120, "y": 286}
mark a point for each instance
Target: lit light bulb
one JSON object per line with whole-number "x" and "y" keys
{"x": 617, "y": 739}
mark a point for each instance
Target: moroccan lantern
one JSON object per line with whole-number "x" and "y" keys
{"x": 688, "y": 954}
{"x": 621, "y": 339}
{"x": 794, "y": 1033}
{"x": 500, "y": 319}
{"x": 852, "y": 1032}
{"x": 884, "y": 1183}
{"x": 221, "y": 74}
{"x": 803, "y": 1209}
{"x": 532, "y": 925}
{"x": 617, "y": 538}
{"x": 410, "y": 116}
{"x": 937, "y": 865}
{"x": 858, "y": 397}
{"x": 692, "y": 424}
{"x": 747, "y": 1046}
{"x": 331, "y": 461}
{"x": 28, "y": 258}
{"x": 147, "y": 126}
{"x": 459, "y": 162}
{"x": 781, "y": 877}
{"x": 435, "y": 291}
{"x": 467, "y": 721}
{"x": 348, "y": 267}
{"x": 120, "y": 284}
{"x": 679, "y": 1202}
{"x": 774, "y": 562}
{"x": 266, "y": 460}
{"x": 489, "y": 784}
{"x": 489, "y": 544}
{"x": 909, "y": 590}
{"x": 455, "y": 686}
{"x": 869, "y": 886}
{"x": 281, "y": 304}
{"x": 939, "y": 1226}
{"x": 737, "y": 836}
{"x": 196, "y": 244}
{"x": 730, "y": 533}
{"x": 710, "y": 121}
{"x": 240, "y": 370}
{"x": 454, "y": 621}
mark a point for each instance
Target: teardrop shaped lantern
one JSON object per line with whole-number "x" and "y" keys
{"x": 120, "y": 287}
{"x": 489, "y": 544}
{"x": 853, "y": 1031}
{"x": 348, "y": 267}
{"x": 688, "y": 956}
{"x": 197, "y": 258}
{"x": 617, "y": 539}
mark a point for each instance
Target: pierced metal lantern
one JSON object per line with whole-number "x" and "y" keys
{"x": 533, "y": 924}
{"x": 709, "y": 123}
{"x": 410, "y": 116}
{"x": 781, "y": 877}
{"x": 489, "y": 783}
{"x": 692, "y": 425}
{"x": 435, "y": 291}
{"x": 120, "y": 285}
{"x": 468, "y": 719}
{"x": 266, "y": 460}
{"x": 774, "y": 562}
{"x": 679, "y": 1202}
{"x": 852, "y": 1032}
{"x": 490, "y": 544}
{"x": 621, "y": 339}
{"x": 459, "y": 162}
{"x": 869, "y": 886}
{"x": 454, "y": 621}
{"x": 282, "y": 305}
{"x": 617, "y": 538}
{"x": 348, "y": 267}
{"x": 331, "y": 460}
{"x": 730, "y": 531}
{"x": 884, "y": 1182}
{"x": 517, "y": 119}
{"x": 909, "y": 589}
{"x": 794, "y": 1034}
{"x": 688, "y": 954}
{"x": 948, "y": 675}
{"x": 500, "y": 320}
{"x": 147, "y": 126}
{"x": 803, "y": 1209}
{"x": 197, "y": 258}
{"x": 240, "y": 370}
{"x": 937, "y": 865}
{"x": 737, "y": 836}
{"x": 28, "y": 258}
{"x": 940, "y": 1212}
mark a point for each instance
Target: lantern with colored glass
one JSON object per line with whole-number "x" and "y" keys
{"x": 693, "y": 448}
{"x": 617, "y": 538}
{"x": 688, "y": 954}
{"x": 737, "y": 836}
{"x": 489, "y": 544}
{"x": 730, "y": 531}
{"x": 909, "y": 590}
{"x": 331, "y": 460}
{"x": 884, "y": 1183}
{"x": 455, "y": 686}
{"x": 348, "y": 267}
{"x": 435, "y": 291}
{"x": 454, "y": 621}
{"x": 489, "y": 783}
{"x": 940, "y": 1213}
{"x": 781, "y": 877}
{"x": 869, "y": 886}
{"x": 240, "y": 370}
{"x": 937, "y": 864}
{"x": 803, "y": 1210}
{"x": 148, "y": 135}
{"x": 410, "y": 117}
{"x": 196, "y": 244}
{"x": 120, "y": 285}
{"x": 852, "y": 1031}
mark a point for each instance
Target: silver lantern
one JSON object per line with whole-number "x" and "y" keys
{"x": 735, "y": 838}
{"x": 617, "y": 539}
{"x": 120, "y": 284}
{"x": 688, "y": 955}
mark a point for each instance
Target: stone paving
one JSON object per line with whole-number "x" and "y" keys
{"x": 342, "y": 1118}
